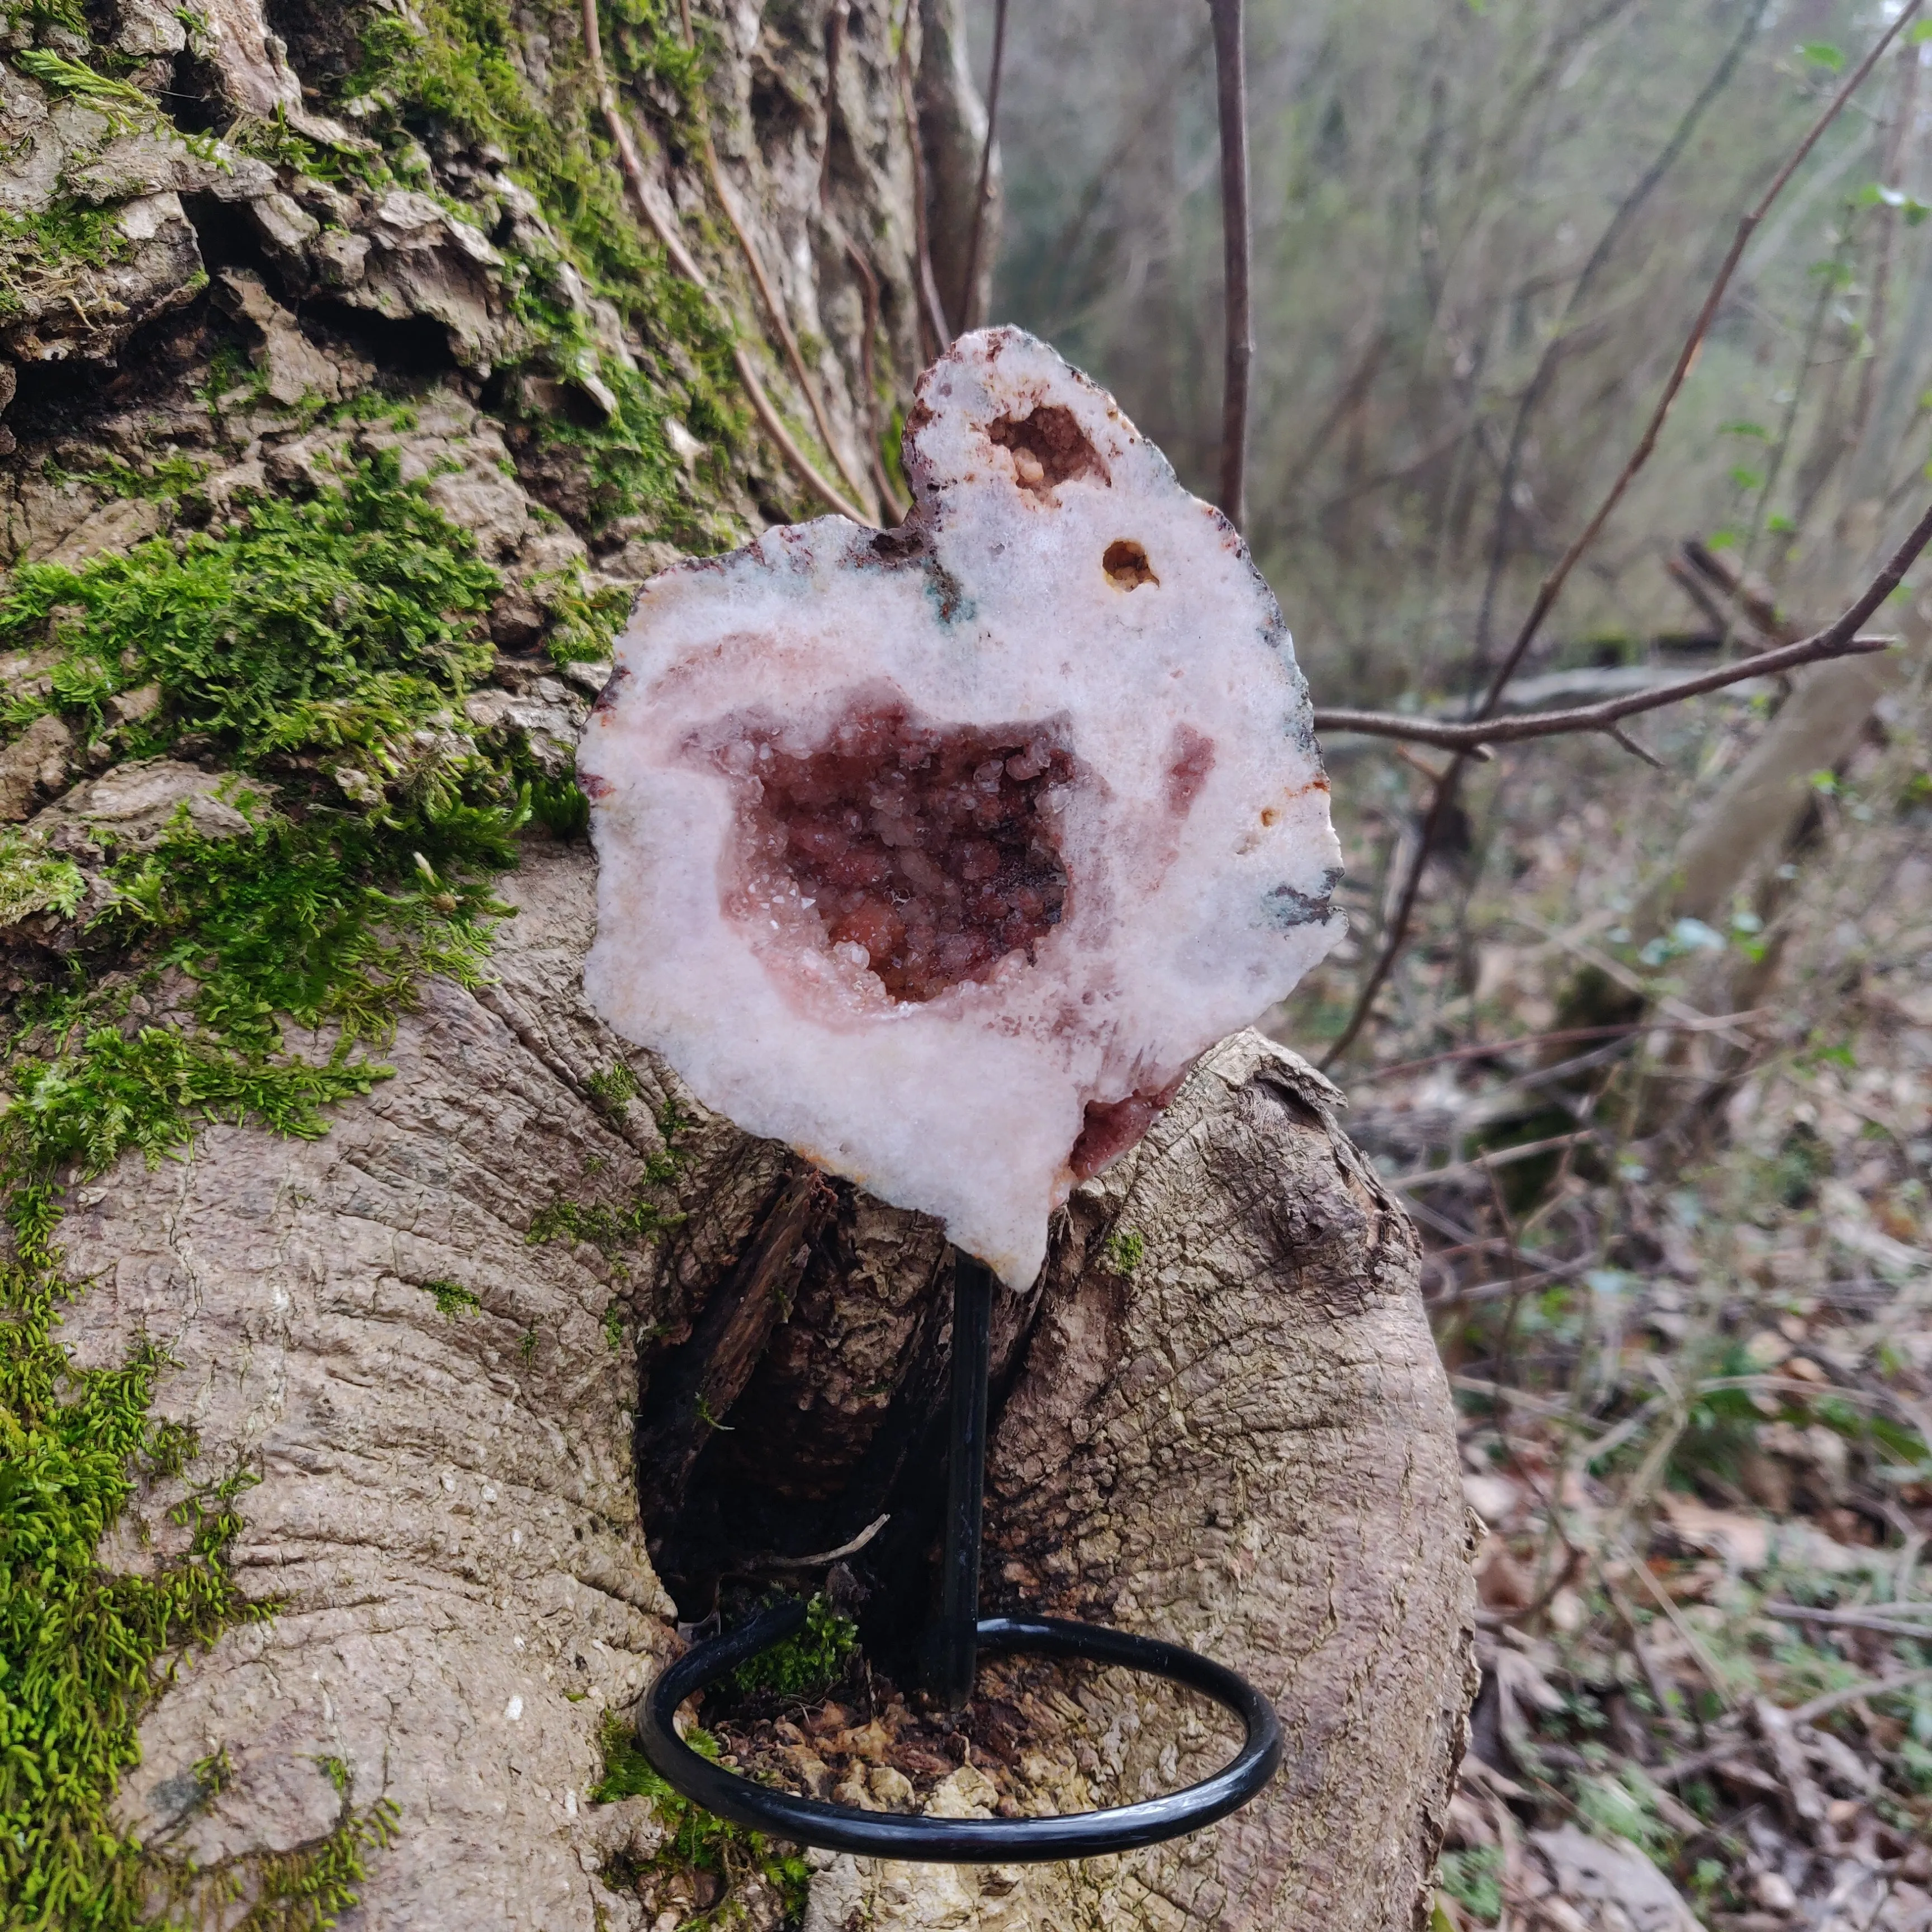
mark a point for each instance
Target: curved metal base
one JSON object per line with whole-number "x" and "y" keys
{"x": 888, "y": 1834}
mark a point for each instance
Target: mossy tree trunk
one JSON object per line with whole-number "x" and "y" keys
{"x": 382, "y": 1338}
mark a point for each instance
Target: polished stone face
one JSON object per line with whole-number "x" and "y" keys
{"x": 941, "y": 853}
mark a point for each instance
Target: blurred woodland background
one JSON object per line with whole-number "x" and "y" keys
{"x": 1653, "y": 1066}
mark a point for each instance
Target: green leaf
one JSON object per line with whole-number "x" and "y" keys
{"x": 1757, "y": 430}
{"x": 1821, "y": 53}
{"x": 1744, "y": 479}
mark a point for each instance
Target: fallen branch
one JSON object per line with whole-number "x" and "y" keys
{"x": 1900, "y": 1625}
{"x": 686, "y": 264}
{"x": 1567, "y": 1036}
{"x": 1873, "y": 1687}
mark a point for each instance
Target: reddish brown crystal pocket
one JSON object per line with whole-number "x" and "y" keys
{"x": 934, "y": 850}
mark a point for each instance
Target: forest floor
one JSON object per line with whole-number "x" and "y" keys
{"x": 1680, "y": 1276}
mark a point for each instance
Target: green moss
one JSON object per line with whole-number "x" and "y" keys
{"x": 446, "y": 67}
{"x": 609, "y": 1229}
{"x": 697, "y": 1841}
{"x": 452, "y": 1298}
{"x": 79, "y": 1646}
{"x": 299, "y": 1891}
{"x": 1125, "y": 1250}
{"x": 613, "y": 1090}
{"x": 322, "y": 650}
{"x": 312, "y": 641}
{"x": 47, "y": 252}
{"x": 335, "y": 627}
{"x": 33, "y": 880}
{"x": 807, "y": 1664}
{"x": 584, "y": 622}
{"x": 163, "y": 478}
{"x": 269, "y": 138}
{"x": 125, "y": 106}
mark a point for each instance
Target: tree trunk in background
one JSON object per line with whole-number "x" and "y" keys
{"x": 514, "y": 1383}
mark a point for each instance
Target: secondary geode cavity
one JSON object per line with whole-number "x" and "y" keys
{"x": 940, "y": 853}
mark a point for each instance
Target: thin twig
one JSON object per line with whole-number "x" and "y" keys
{"x": 1562, "y": 337}
{"x": 1747, "y": 226}
{"x": 932, "y": 311}
{"x": 1903, "y": 121}
{"x": 896, "y": 505}
{"x": 968, "y": 303}
{"x": 1231, "y": 100}
{"x": 1871, "y": 1619}
{"x": 1440, "y": 804}
{"x": 1500, "y": 1157}
{"x": 823, "y": 1557}
{"x": 1873, "y": 1687}
{"x": 1605, "y": 716}
{"x": 686, "y": 264}
{"x": 774, "y": 307}
{"x": 1707, "y": 1664}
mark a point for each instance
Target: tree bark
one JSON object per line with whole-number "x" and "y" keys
{"x": 1242, "y": 1442}
{"x": 528, "y": 1361}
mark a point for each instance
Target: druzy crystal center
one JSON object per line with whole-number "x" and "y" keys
{"x": 925, "y": 854}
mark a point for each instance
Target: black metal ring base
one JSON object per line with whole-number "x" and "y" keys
{"x": 887, "y": 1834}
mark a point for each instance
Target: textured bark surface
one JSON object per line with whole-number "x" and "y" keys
{"x": 1243, "y": 1442}
{"x": 489, "y": 1485}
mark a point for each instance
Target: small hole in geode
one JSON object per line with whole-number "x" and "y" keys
{"x": 1127, "y": 563}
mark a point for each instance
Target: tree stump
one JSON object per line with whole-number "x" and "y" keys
{"x": 468, "y": 1400}
{"x": 1224, "y": 1422}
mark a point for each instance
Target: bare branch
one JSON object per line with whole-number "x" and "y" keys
{"x": 967, "y": 303}
{"x": 1396, "y": 933}
{"x": 1474, "y": 739}
{"x": 1563, "y": 335}
{"x": 1840, "y": 639}
{"x": 1553, "y": 584}
{"x": 685, "y": 263}
{"x": 1231, "y": 93}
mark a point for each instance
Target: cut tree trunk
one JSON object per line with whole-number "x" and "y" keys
{"x": 1243, "y": 1443}
{"x": 526, "y": 1360}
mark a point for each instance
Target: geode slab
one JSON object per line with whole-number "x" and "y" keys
{"x": 940, "y": 853}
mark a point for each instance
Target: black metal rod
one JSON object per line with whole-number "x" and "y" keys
{"x": 952, "y": 1655}
{"x": 955, "y": 1649}
{"x": 888, "y": 1835}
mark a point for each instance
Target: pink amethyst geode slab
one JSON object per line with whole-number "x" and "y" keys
{"x": 940, "y": 854}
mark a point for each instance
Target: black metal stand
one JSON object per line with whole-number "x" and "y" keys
{"x": 952, "y": 1653}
